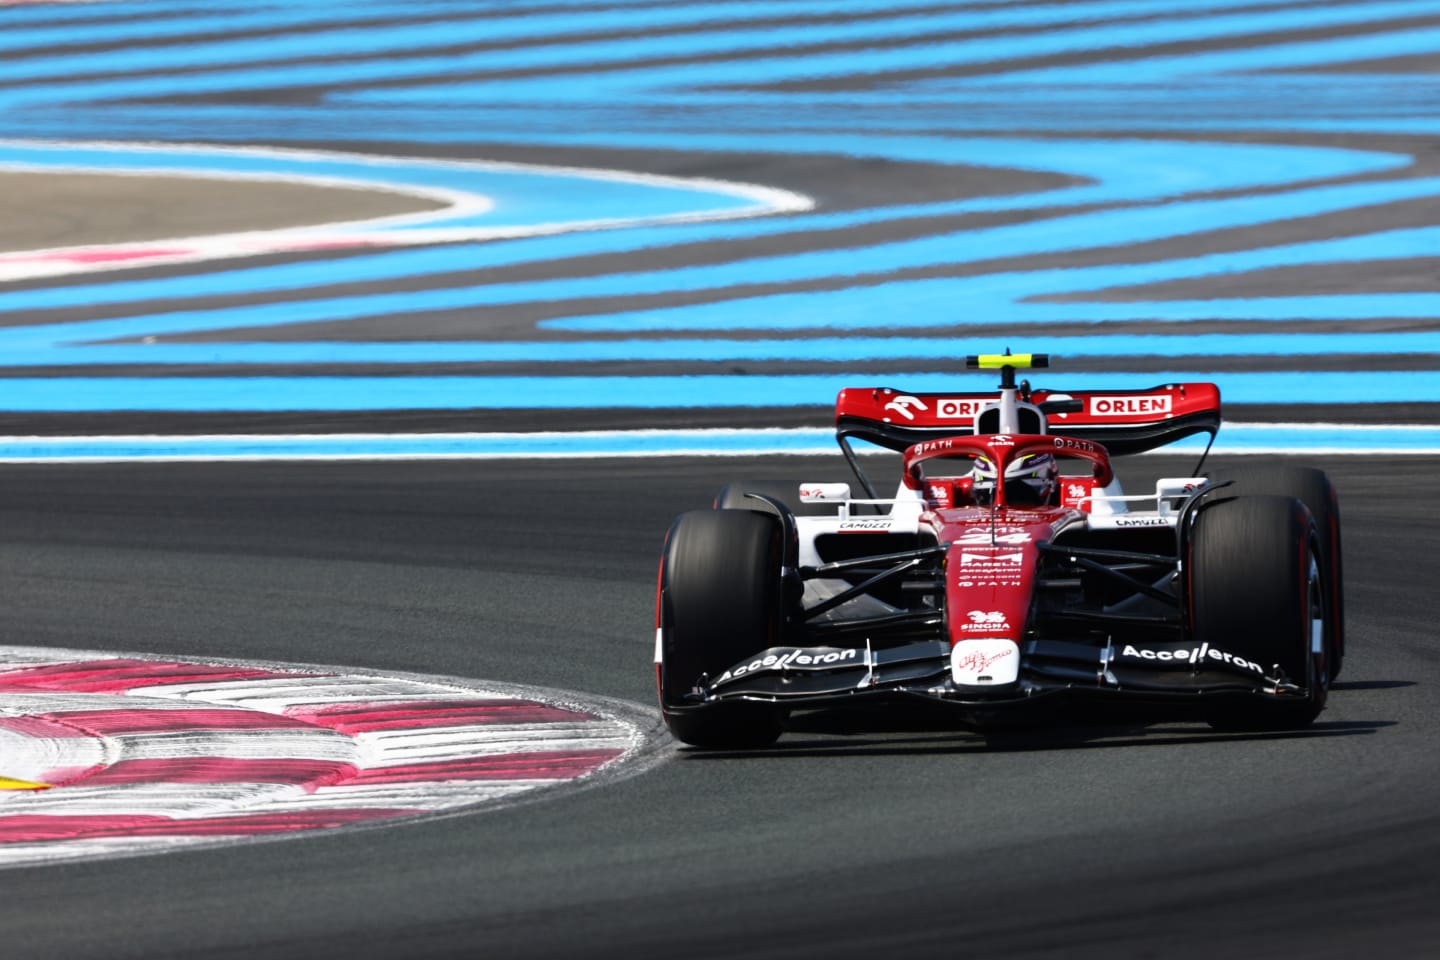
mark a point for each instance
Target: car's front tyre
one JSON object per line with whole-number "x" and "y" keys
{"x": 720, "y": 601}
{"x": 1257, "y": 590}
{"x": 1314, "y": 489}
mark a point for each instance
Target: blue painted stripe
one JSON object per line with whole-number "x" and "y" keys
{"x": 1234, "y": 438}
{"x": 77, "y": 394}
{"x": 1275, "y": 56}
{"x": 820, "y": 349}
{"x": 209, "y": 17}
{"x": 922, "y": 303}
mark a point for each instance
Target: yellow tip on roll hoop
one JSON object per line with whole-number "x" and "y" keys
{"x": 994, "y": 361}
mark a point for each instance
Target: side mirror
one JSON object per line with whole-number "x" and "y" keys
{"x": 824, "y": 492}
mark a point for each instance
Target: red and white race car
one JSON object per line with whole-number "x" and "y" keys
{"x": 1007, "y": 569}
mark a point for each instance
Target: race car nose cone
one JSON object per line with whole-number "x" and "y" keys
{"x": 984, "y": 662}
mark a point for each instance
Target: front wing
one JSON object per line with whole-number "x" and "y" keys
{"x": 801, "y": 676}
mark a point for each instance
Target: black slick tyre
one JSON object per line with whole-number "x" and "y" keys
{"x": 1257, "y": 592}
{"x": 719, "y": 603}
{"x": 1313, "y": 488}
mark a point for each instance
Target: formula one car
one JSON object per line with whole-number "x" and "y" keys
{"x": 991, "y": 580}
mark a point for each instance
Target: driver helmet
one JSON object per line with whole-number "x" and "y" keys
{"x": 1030, "y": 480}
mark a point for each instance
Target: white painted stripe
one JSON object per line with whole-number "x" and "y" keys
{"x": 389, "y": 752}
{"x": 1304, "y": 426}
{"x": 1381, "y": 451}
{"x": 11, "y": 659}
{"x": 391, "y": 231}
{"x": 556, "y": 435}
{"x": 319, "y": 743}
{"x": 276, "y": 695}
{"x": 273, "y": 695}
{"x": 773, "y": 198}
{"x": 61, "y": 701}
{"x": 429, "y": 796}
{"x": 16, "y": 854}
{"x": 179, "y": 800}
{"x": 414, "y": 737}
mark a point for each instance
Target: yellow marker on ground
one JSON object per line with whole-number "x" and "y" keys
{"x": 8, "y": 784}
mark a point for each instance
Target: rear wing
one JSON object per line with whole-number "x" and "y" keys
{"x": 1124, "y": 421}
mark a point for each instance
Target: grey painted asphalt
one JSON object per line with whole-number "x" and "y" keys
{"x": 1103, "y": 836}
{"x": 57, "y": 210}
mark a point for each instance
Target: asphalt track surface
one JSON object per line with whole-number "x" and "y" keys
{"x": 1106, "y": 835}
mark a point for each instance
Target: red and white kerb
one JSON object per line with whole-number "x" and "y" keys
{"x": 113, "y": 755}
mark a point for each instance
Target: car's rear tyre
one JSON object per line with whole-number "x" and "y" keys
{"x": 1314, "y": 489}
{"x": 1257, "y": 592}
{"x": 720, "y": 602}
